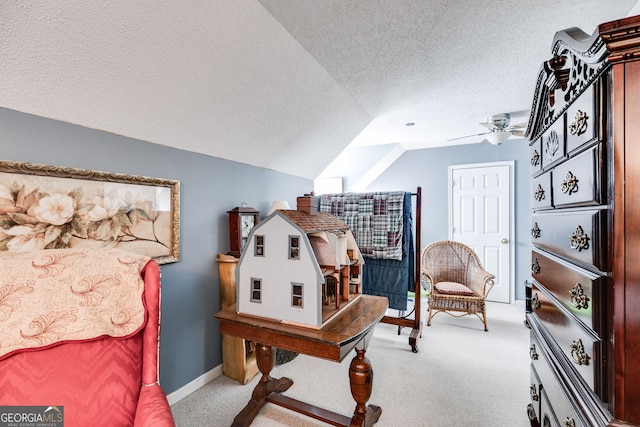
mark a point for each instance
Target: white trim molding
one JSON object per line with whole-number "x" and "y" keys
{"x": 194, "y": 385}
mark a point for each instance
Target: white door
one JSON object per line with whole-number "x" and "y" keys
{"x": 481, "y": 216}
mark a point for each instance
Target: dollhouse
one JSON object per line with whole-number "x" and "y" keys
{"x": 299, "y": 266}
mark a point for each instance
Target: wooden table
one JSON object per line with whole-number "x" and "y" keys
{"x": 352, "y": 328}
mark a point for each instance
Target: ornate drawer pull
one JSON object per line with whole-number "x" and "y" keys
{"x": 579, "y": 356}
{"x": 532, "y": 352}
{"x": 535, "y": 266}
{"x": 552, "y": 145}
{"x": 569, "y": 422}
{"x": 570, "y": 184}
{"x": 531, "y": 413}
{"x": 579, "y": 240}
{"x": 535, "y": 231}
{"x": 535, "y": 158}
{"x": 578, "y": 298}
{"x": 535, "y": 301}
{"x": 539, "y": 194}
{"x": 533, "y": 391}
{"x": 579, "y": 125}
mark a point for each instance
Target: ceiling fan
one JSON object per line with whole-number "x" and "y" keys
{"x": 499, "y": 129}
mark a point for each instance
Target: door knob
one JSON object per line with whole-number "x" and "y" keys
{"x": 504, "y": 241}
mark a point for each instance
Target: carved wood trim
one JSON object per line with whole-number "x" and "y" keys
{"x": 622, "y": 39}
{"x": 577, "y": 61}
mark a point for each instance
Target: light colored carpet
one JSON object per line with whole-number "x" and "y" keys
{"x": 461, "y": 376}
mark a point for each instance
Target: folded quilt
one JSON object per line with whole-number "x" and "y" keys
{"x": 53, "y": 296}
{"x": 375, "y": 219}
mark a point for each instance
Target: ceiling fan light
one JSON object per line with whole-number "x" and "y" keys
{"x": 498, "y": 137}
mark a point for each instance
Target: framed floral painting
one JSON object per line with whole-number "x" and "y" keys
{"x": 51, "y": 207}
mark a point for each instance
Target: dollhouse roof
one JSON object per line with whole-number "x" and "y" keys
{"x": 322, "y": 221}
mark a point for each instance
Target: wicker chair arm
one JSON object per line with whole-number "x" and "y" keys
{"x": 480, "y": 280}
{"x": 426, "y": 277}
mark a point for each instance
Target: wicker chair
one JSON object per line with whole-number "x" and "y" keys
{"x": 458, "y": 283}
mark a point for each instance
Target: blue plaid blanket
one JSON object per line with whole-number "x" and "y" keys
{"x": 375, "y": 219}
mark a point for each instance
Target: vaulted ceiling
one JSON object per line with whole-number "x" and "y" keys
{"x": 283, "y": 84}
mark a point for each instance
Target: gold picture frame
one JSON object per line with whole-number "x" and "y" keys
{"x": 48, "y": 207}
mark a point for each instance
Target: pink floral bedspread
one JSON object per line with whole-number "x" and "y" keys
{"x": 52, "y": 296}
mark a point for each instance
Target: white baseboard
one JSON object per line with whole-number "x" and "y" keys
{"x": 194, "y": 385}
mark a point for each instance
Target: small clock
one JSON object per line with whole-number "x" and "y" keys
{"x": 241, "y": 220}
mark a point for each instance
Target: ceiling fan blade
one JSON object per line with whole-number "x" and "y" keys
{"x": 468, "y": 136}
{"x": 517, "y": 132}
{"x": 489, "y": 126}
{"x": 519, "y": 125}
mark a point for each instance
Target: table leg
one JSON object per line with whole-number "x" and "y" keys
{"x": 265, "y": 356}
{"x": 361, "y": 380}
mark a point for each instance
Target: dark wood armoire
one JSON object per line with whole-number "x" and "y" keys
{"x": 584, "y": 132}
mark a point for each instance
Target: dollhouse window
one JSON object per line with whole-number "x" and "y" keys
{"x": 259, "y": 246}
{"x": 256, "y": 290}
{"x": 294, "y": 247}
{"x": 296, "y": 295}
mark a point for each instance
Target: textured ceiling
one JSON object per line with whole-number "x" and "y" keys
{"x": 444, "y": 65}
{"x": 282, "y": 84}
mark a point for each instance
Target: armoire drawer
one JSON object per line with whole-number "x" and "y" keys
{"x": 541, "y": 192}
{"x": 553, "y": 143}
{"x": 581, "y": 122}
{"x": 576, "y": 182}
{"x": 582, "y": 349}
{"x": 576, "y": 235}
{"x": 579, "y": 290}
{"x": 554, "y": 403}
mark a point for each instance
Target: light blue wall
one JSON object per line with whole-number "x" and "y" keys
{"x": 353, "y": 162}
{"x": 190, "y": 337}
{"x": 428, "y": 168}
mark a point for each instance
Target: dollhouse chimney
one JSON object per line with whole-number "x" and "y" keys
{"x": 308, "y": 203}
